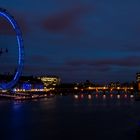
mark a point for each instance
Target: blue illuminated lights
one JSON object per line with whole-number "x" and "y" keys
{"x": 9, "y": 18}
{"x": 27, "y": 86}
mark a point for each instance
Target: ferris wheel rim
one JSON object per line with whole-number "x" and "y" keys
{"x": 12, "y": 21}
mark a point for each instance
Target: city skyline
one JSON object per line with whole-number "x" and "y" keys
{"x": 78, "y": 40}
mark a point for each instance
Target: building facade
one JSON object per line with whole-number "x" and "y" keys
{"x": 50, "y": 80}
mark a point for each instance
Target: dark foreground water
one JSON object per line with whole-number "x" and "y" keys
{"x": 69, "y": 117}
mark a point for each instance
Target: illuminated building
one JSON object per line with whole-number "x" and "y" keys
{"x": 50, "y": 80}
{"x": 29, "y": 83}
{"x": 138, "y": 77}
{"x": 138, "y": 81}
{"x": 26, "y": 86}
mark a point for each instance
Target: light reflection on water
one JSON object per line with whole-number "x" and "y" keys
{"x": 71, "y": 117}
{"x": 104, "y": 96}
{"x": 100, "y": 100}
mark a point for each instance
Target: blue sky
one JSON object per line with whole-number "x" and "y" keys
{"x": 79, "y": 39}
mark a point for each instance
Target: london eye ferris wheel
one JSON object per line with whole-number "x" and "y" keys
{"x": 20, "y": 59}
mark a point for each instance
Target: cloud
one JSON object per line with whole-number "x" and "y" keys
{"x": 62, "y": 21}
{"x": 98, "y": 70}
{"x": 123, "y": 62}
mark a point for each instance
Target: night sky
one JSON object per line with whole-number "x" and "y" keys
{"x": 98, "y": 40}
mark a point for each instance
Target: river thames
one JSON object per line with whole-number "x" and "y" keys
{"x": 72, "y": 117}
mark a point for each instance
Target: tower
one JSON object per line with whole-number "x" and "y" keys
{"x": 138, "y": 81}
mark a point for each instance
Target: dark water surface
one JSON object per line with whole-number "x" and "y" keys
{"x": 69, "y": 117}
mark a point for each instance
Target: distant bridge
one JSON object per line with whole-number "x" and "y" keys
{"x": 110, "y": 89}
{"x": 90, "y": 89}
